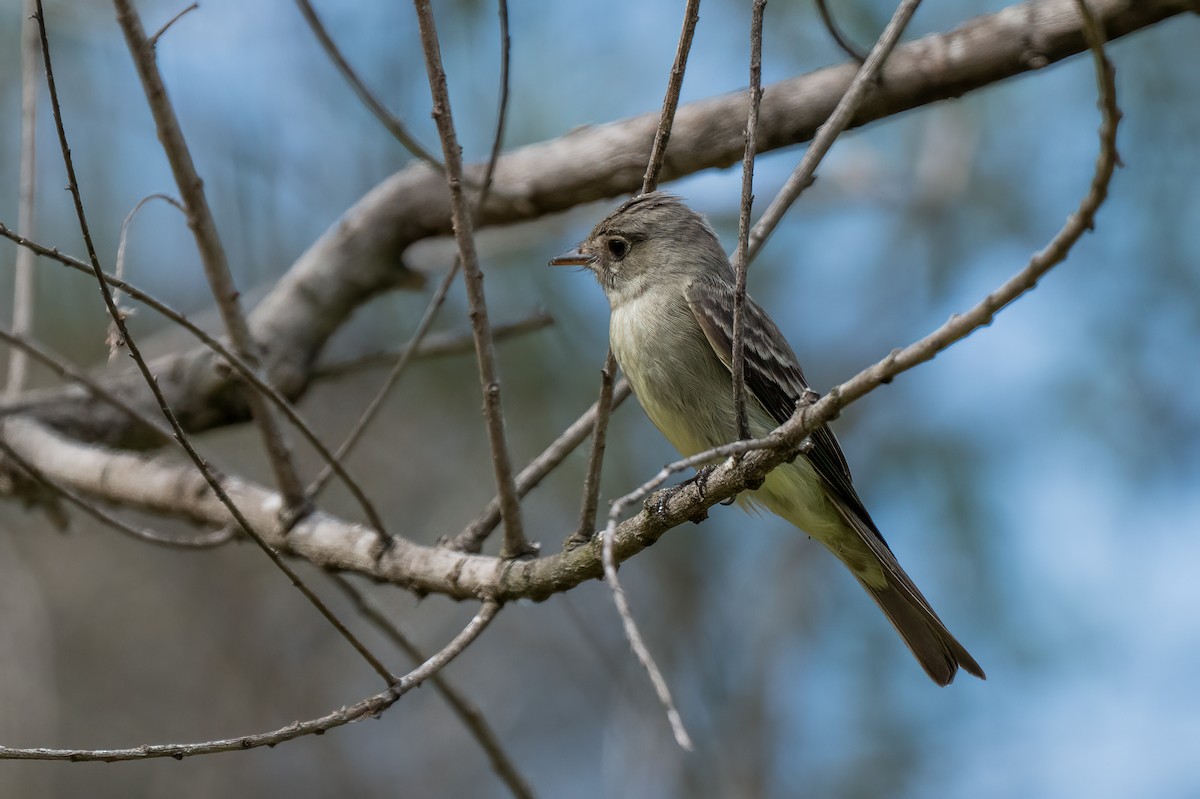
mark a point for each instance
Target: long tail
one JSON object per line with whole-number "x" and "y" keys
{"x": 877, "y": 569}
{"x": 938, "y": 652}
{"x": 845, "y": 528}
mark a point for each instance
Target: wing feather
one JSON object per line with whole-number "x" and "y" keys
{"x": 774, "y": 378}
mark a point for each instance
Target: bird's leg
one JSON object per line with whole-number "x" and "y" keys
{"x": 700, "y": 479}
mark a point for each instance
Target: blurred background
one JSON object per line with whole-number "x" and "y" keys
{"x": 1039, "y": 480}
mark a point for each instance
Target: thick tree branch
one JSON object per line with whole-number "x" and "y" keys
{"x": 360, "y": 256}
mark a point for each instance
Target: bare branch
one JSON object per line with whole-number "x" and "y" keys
{"x": 23, "y": 276}
{"x": 371, "y": 706}
{"x": 237, "y": 364}
{"x": 167, "y": 25}
{"x": 740, "y": 260}
{"x": 434, "y": 345}
{"x": 658, "y": 151}
{"x": 841, "y": 117}
{"x": 439, "y": 296}
{"x": 470, "y": 715}
{"x": 199, "y": 462}
{"x": 471, "y": 539}
{"x": 666, "y": 119}
{"x": 838, "y": 37}
{"x": 515, "y": 545}
{"x": 205, "y": 540}
{"x": 114, "y": 339}
{"x": 591, "y": 479}
{"x": 386, "y": 118}
{"x": 208, "y": 244}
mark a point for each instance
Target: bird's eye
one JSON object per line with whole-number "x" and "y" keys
{"x": 618, "y": 247}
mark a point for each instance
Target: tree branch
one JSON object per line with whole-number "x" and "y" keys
{"x": 360, "y": 256}
{"x": 371, "y": 706}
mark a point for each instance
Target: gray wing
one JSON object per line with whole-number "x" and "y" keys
{"x": 774, "y": 378}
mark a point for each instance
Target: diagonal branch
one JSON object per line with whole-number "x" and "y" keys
{"x": 471, "y": 716}
{"x": 389, "y": 120}
{"x": 371, "y": 706}
{"x": 841, "y": 117}
{"x": 658, "y": 154}
{"x": 23, "y": 296}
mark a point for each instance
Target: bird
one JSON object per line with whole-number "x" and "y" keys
{"x": 671, "y": 291}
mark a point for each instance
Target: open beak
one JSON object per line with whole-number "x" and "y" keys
{"x": 573, "y": 257}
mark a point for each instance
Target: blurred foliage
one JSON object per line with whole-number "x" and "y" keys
{"x": 1038, "y": 480}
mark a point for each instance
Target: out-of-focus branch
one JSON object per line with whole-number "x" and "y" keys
{"x": 433, "y": 345}
{"x": 386, "y": 118}
{"x": 836, "y": 34}
{"x": 371, "y": 706}
{"x": 23, "y": 277}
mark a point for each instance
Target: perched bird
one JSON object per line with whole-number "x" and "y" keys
{"x": 671, "y": 289}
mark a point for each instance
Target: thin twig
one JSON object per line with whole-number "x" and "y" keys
{"x": 135, "y": 352}
{"x": 114, "y": 340}
{"x": 472, "y": 537}
{"x": 433, "y": 345}
{"x": 371, "y": 706}
{"x": 206, "y": 540}
{"x": 393, "y": 377}
{"x": 514, "y": 545}
{"x": 489, "y": 171}
{"x": 591, "y": 484}
{"x": 591, "y": 479}
{"x": 241, "y": 367}
{"x": 167, "y": 25}
{"x": 24, "y": 286}
{"x": 211, "y": 250}
{"x": 838, "y": 37}
{"x": 740, "y": 262}
{"x": 662, "y": 135}
{"x": 802, "y": 177}
{"x": 658, "y": 152}
{"x": 386, "y": 118}
{"x": 469, "y": 713}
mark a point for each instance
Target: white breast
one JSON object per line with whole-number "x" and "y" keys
{"x": 676, "y": 376}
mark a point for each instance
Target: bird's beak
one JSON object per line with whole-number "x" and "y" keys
{"x": 574, "y": 257}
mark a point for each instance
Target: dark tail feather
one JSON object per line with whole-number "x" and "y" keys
{"x": 936, "y": 649}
